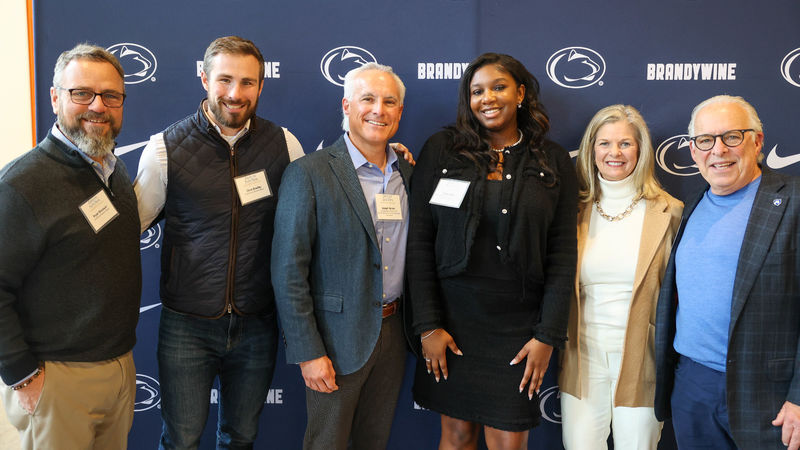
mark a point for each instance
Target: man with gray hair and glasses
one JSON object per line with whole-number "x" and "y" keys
{"x": 338, "y": 265}
{"x": 70, "y": 274}
{"x": 728, "y": 315}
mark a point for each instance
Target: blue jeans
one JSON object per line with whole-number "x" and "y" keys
{"x": 192, "y": 352}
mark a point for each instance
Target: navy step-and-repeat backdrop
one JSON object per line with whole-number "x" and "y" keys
{"x": 663, "y": 57}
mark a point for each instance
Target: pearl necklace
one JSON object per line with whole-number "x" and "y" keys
{"x": 620, "y": 216}
{"x": 500, "y": 150}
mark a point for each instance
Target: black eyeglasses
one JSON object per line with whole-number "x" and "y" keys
{"x": 85, "y": 97}
{"x": 730, "y": 138}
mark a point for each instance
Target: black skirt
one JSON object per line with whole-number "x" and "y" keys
{"x": 489, "y": 324}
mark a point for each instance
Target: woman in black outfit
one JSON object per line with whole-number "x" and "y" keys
{"x": 491, "y": 257}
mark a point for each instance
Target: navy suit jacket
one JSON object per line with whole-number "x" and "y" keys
{"x": 326, "y": 263}
{"x": 763, "y": 363}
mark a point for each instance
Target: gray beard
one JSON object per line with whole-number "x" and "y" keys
{"x": 92, "y": 146}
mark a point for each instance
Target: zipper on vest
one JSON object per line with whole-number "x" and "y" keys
{"x": 103, "y": 185}
{"x": 231, "y": 282}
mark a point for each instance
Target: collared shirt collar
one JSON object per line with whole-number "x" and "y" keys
{"x": 103, "y": 170}
{"x": 231, "y": 139}
{"x": 359, "y": 159}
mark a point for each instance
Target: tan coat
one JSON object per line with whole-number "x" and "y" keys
{"x": 636, "y": 382}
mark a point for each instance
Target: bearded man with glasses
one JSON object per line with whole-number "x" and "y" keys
{"x": 70, "y": 274}
{"x": 728, "y": 315}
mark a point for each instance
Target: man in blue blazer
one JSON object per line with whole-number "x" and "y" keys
{"x": 337, "y": 268}
{"x": 728, "y": 316}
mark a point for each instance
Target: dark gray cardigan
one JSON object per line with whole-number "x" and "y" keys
{"x": 66, "y": 293}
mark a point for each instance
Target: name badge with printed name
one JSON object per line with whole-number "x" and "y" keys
{"x": 98, "y": 211}
{"x": 449, "y": 192}
{"x": 388, "y": 207}
{"x": 252, "y": 187}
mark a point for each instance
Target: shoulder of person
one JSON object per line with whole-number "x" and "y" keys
{"x": 21, "y": 166}
{"x": 553, "y": 148}
{"x": 672, "y": 202}
{"x": 790, "y": 180}
{"x": 320, "y": 156}
{"x": 445, "y": 136}
{"x": 437, "y": 147}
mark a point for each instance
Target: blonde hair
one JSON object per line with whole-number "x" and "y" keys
{"x": 643, "y": 174}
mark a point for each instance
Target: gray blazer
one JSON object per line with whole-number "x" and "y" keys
{"x": 763, "y": 365}
{"x": 326, "y": 263}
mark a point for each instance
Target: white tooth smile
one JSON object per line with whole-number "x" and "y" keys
{"x": 490, "y": 111}
{"x": 379, "y": 124}
{"x": 722, "y": 165}
{"x": 615, "y": 164}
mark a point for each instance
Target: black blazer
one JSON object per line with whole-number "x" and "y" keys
{"x": 537, "y": 235}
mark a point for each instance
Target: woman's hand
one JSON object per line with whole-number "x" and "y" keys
{"x": 538, "y": 355}
{"x": 403, "y": 151}
{"x": 434, "y": 348}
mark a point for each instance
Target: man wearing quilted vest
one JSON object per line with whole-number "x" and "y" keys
{"x": 214, "y": 177}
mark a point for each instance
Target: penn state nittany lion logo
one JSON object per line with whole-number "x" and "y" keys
{"x": 150, "y": 238}
{"x": 140, "y": 64}
{"x": 576, "y": 67}
{"x": 550, "y": 405}
{"x": 148, "y": 393}
{"x": 790, "y": 68}
{"x": 337, "y": 62}
{"x": 674, "y": 157}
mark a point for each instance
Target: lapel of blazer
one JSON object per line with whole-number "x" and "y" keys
{"x": 584, "y": 215}
{"x": 405, "y": 171}
{"x": 656, "y": 222}
{"x": 342, "y": 167}
{"x": 768, "y": 208}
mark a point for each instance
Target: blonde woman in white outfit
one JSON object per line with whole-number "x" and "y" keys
{"x": 626, "y": 223}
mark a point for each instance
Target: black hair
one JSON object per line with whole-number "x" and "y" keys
{"x": 472, "y": 139}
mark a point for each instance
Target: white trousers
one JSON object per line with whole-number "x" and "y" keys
{"x": 585, "y": 422}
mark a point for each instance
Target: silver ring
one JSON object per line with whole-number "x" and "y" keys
{"x": 427, "y": 360}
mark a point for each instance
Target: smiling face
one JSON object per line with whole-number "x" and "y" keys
{"x": 233, "y": 88}
{"x": 494, "y": 96}
{"x": 93, "y": 127}
{"x": 727, "y": 169}
{"x": 616, "y": 150}
{"x": 374, "y": 110}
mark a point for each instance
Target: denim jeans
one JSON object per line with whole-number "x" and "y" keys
{"x": 192, "y": 352}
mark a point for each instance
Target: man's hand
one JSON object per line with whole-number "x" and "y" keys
{"x": 319, "y": 374}
{"x": 789, "y": 418}
{"x": 29, "y": 395}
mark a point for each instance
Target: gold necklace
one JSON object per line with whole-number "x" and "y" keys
{"x": 620, "y": 216}
{"x": 500, "y": 150}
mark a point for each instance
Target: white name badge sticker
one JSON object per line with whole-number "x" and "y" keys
{"x": 98, "y": 211}
{"x": 449, "y": 193}
{"x": 252, "y": 187}
{"x": 388, "y": 207}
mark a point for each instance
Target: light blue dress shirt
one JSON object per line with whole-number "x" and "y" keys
{"x": 391, "y": 234}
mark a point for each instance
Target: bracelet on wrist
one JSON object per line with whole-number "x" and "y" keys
{"x": 426, "y": 336}
{"x": 25, "y": 383}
